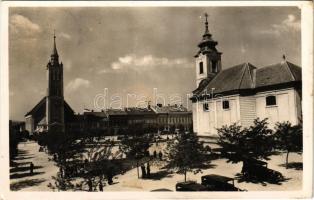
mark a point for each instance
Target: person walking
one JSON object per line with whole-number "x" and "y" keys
{"x": 160, "y": 155}
{"x": 31, "y": 168}
{"x": 148, "y": 170}
{"x": 143, "y": 171}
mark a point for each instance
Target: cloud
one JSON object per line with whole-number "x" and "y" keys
{"x": 23, "y": 26}
{"x": 145, "y": 63}
{"x": 64, "y": 35}
{"x": 289, "y": 24}
{"x": 76, "y": 84}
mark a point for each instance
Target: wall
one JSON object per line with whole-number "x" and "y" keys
{"x": 247, "y": 110}
{"x": 244, "y": 109}
{"x": 29, "y": 124}
{"x": 205, "y": 123}
{"x": 285, "y": 110}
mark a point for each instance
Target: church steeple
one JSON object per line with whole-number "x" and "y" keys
{"x": 55, "y": 98}
{"x": 207, "y": 43}
{"x": 54, "y": 55}
{"x": 208, "y": 58}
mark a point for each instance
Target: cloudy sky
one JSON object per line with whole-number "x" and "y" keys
{"x": 134, "y": 50}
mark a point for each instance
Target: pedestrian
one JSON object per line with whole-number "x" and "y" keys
{"x": 31, "y": 168}
{"x": 90, "y": 185}
{"x": 61, "y": 172}
{"x": 160, "y": 155}
{"x": 148, "y": 170}
{"x": 110, "y": 176}
{"x": 143, "y": 171}
{"x": 155, "y": 154}
{"x": 100, "y": 186}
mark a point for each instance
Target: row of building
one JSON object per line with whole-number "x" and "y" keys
{"x": 113, "y": 121}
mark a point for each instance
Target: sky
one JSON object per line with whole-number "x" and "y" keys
{"x": 119, "y": 56}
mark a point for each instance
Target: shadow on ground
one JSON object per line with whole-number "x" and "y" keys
{"x": 26, "y": 174}
{"x": 293, "y": 165}
{"x": 161, "y": 190}
{"x": 26, "y": 183}
{"x": 263, "y": 179}
{"x": 23, "y": 157}
{"x": 22, "y": 169}
{"x": 159, "y": 175}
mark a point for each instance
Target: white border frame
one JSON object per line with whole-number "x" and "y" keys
{"x": 307, "y": 106}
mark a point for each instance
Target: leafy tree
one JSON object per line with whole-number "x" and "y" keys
{"x": 136, "y": 144}
{"x": 239, "y": 144}
{"x": 289, "y": 138}
{"x": 185, "y": 153}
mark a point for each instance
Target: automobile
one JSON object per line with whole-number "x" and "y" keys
{"x": 190, "y": 186}
{"x": 257, "y": 169}
{"x": 214, "y": 182}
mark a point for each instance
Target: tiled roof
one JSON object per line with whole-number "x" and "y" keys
{"x": 246, "y": 77}
{"x": 283, "y": 72}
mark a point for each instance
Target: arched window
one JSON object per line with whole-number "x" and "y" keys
{"x": 271, "y": 100}
{"x": 201, "y": 68}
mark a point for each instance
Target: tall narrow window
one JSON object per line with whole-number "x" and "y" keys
{"x": 201, "y": 68}
{"x": 214, "y": 66}
{"x": 225, "y": 105}
{"x": 271, "y": 100}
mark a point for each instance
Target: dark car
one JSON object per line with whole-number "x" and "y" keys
{"x": 190, "y": 186}
{"x": 257, "y": 169}
{"x": 215, "y": 182}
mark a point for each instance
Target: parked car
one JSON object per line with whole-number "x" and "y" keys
{"x": 257, "y": 169}
{"x": 215, "y": 182}
{"x": 190, "y": 186}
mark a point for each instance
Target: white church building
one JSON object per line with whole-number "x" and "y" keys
{"x": 242, "y": 93}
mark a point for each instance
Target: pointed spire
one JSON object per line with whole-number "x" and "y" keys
{"x": 206, "y": 24}
{"x": 54, "y": 58}
{"x": 54, "y": 51}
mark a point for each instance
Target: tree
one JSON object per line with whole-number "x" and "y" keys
{"x": 289, "y": 138}
{"x": 136, "y": 144}
{"x": 185, "y": 153}
{"x": 239, "y": 144}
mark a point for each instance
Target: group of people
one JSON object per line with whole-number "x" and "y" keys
{"x": 145, "y": 170}
{"x": 159, "y": 155}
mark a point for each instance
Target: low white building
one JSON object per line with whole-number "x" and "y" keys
{"x": 242, "y": 93}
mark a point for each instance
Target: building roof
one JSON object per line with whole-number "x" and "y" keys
{"x": 115, "y": 112}
{"x": 95, "y": 114}
{"x": 278, "y": 73}
{"x": 247, "y": 77}
{"x": 169, "y": 109}
{"x": 139, "y": 111}
{"x": 42, "y": 103}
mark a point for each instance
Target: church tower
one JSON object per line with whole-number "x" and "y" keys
{"x": 208, "y": 58}
{"x": 55, "y": 99}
